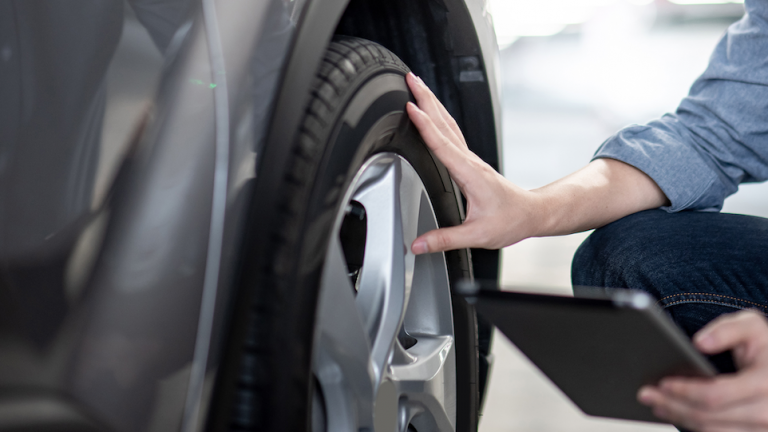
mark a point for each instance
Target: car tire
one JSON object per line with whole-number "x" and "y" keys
{"x": 354, "y": 123}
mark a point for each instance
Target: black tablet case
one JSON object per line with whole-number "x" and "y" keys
{"x": 598, "y": 351}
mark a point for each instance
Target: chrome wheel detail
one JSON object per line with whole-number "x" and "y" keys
{"x": 384, "y": 342}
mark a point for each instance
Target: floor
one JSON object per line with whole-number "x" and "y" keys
{"x": 563, "y": 95}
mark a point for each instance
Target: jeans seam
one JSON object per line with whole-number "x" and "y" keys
{"x": 761, "y": 311}
{"x": 711, "y": 295}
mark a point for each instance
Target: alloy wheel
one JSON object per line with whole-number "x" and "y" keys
{"x": 384, "y": 343}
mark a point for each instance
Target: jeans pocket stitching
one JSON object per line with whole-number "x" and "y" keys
{"x": 661, "y": 301}
{"x": 761, "y": 309}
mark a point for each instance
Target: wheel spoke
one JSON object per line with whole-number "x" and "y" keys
{"x": 425, "y": 384}
{"x": 429, "y": 306}
{"x": 388, "y": 350}
{"x": 412, "y": 211}
{"x": 383, "y": 289}
{"x": 342, "y": 359}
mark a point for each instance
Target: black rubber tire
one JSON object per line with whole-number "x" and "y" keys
{"x": 275, "y": 379}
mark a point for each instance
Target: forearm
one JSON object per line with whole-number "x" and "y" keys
{"x": 602, "y": 192}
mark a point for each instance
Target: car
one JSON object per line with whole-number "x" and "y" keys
{"x": 206, "y": 211}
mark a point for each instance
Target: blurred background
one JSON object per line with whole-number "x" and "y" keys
{"x": 574, "y": 73}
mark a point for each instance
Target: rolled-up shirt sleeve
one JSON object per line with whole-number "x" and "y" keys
{"x": 718, "y": 137}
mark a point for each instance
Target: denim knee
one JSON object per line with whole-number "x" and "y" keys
{"x": 623, "y": 254}
{"x": 680, "y": 258}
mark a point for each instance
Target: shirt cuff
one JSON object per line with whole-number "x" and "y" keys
{"x": 658, "y": 150}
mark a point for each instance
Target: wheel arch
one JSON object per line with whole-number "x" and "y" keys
{"x": 431, "y": 36}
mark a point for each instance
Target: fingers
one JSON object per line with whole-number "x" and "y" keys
{"x": 429, "y": 103}
{"x": 443, "y": 239}
{"x": 462, "y": 236}
{"x": 672, "y": 410}
{"x": 748, "y": 415}
{"x": 729, "y": 402}
{"x": 489, "y": 195}
{"x": 714, "y": 394}
{"x": 746, "y": 332}
{"x": 449, "y": 154}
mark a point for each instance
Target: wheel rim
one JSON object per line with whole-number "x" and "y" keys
{"x": 384, "y": 343}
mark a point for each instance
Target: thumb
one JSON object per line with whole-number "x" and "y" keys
{"x": 745, "y": 332}
{"x": 445, "y": 239}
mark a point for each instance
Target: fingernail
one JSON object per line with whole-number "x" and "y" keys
{"x": 645, "y": 396}
{"x": 420, "y": 247}
{"x": 703, "y": 340}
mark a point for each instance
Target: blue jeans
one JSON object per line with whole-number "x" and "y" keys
{"x": 697, "y": 265}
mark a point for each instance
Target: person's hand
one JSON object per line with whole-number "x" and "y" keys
{"x": 728, "y": 403}
{"x": 498, "y": 212}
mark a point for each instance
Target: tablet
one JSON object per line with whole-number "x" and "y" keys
{"x": 599, "y": 349}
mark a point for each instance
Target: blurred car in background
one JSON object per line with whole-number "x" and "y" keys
{"x": 206, "y": 210}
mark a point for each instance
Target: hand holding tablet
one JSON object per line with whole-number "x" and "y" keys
{"x": 734, "y": 402}
{"x": 598, "y": 349}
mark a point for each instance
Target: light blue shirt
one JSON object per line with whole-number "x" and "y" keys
{"x": 718, "y": 137}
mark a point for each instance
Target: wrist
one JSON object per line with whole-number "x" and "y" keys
{"x": 544, "y": 221}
